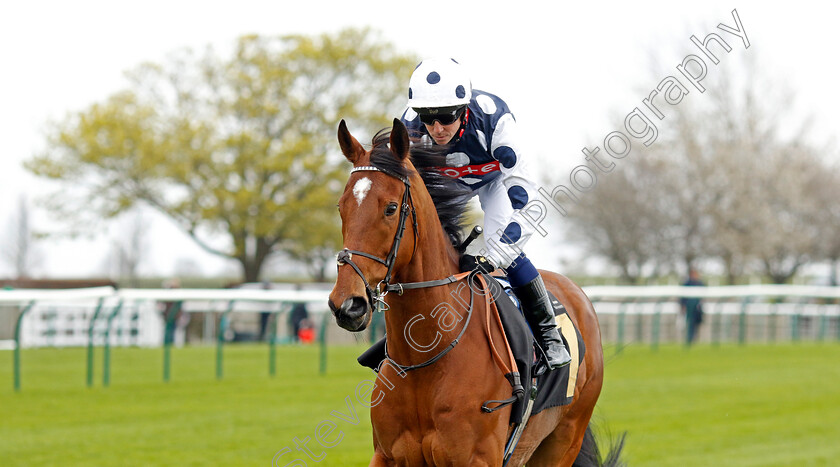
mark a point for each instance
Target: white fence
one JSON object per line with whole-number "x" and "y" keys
{"x": 68, "y": 325}
{"x": 756, "y": 313}
{"x": 133, "y": 316}
{"x": 128, "y": 317}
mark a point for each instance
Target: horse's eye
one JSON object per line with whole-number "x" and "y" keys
{"x": 390, "y": 209}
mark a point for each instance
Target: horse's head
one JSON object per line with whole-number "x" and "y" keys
{"x": 377, "y": 216}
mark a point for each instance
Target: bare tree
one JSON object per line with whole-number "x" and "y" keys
{"x": 776, "y": 175}
{"x": 619, "y": 219}
{"x": 730, "y": 178}
{"x": 130, "y": 246}
{"x": 21, "y": 250}
{"x": 827, "y": 215}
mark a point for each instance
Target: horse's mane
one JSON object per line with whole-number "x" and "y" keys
{"x": 448, "y": 195}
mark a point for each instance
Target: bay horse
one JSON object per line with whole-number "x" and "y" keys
{"x": 440, "y": 366}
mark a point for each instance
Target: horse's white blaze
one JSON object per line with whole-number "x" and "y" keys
{"x": 360, "y": 189}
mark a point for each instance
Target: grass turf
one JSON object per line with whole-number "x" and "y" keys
{"x": 758, "y": 405}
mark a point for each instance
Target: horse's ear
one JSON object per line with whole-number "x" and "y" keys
{"x": 350, "y": 147}
{"x": 399, "y": 140}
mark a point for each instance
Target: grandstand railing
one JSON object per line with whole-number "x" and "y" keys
{"x": 106, "y": 316}
{"x": 731, "y": 313}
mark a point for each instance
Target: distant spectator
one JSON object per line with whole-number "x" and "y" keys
{"x": 264, "y": 315}
{"x": 172, "y": 313}
{"x": 692, "y": 307}
{"x": 298, "y": 320}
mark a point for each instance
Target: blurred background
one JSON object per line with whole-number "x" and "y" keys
{"x": 189, "y": 141}
{"x": 174, "y": 146}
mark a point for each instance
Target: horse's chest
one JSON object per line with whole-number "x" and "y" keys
{"x": 437, "y": 435}
{"x": 437, "y": 447}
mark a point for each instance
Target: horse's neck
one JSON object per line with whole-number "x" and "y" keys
{"x": 423, "y": 316}
{"x": 433, "y": 257}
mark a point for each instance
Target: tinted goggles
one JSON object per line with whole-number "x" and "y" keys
{"x": 445, "y": 118}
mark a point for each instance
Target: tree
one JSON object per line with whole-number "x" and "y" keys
{"x": 242, "y": 146}
{"x": 768, "y": 210}
{"x": 129, "y": 247}
{"x": 730, "y": 178}
{"x": 828, "y": 220}
{"x": 318, "y": 244}
{"x": 619, "y": 220}
{"x": 21, "y": 250}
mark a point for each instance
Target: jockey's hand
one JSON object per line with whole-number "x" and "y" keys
{"x": 471, "y": 263}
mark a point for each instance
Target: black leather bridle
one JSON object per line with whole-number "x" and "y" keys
{"x": 345, "y": 256}
{"x": 377, "y": 296}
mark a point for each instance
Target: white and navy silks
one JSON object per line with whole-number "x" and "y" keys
{"x": 487, "y": 159}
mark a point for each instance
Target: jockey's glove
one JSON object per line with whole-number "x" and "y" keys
{"x": 471, "y": 263}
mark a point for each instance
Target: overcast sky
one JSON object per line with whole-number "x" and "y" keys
{"x": 564, "y": 72}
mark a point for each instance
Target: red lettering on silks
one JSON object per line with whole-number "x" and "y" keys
{"x": 457, "y": 172}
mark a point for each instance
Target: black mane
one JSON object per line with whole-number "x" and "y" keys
{"x": 448, "y": 195}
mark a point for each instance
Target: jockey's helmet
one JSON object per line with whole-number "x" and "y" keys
{"x": 439, "y": 84}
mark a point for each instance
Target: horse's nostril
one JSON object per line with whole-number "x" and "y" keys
{"x": 354, "y": 307}
{"x": 353, "y": 314}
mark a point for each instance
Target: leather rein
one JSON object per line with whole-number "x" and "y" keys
{"x": 377, "y": 295}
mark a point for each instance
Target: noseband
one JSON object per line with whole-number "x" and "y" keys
{"x": 377, "y": 295}
{"x": 345, "y": 256}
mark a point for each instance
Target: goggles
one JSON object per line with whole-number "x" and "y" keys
{"x": 444, "y": 116}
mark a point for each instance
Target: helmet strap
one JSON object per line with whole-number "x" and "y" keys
{"x": 464, "y": 121}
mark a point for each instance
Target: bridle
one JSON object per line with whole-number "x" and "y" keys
{"x": 377, "y": 295}
{"x": 345, "y": 256}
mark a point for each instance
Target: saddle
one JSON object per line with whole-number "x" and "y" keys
{"x": 556, "y": 387}
{"x": 552, "y": 388}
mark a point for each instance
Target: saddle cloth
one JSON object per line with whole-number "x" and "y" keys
{"x": 556, "y": 387}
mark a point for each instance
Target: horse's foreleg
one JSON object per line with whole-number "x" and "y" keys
{"x": 379, "y": 460}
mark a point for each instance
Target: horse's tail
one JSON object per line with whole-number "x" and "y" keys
{"x": 590, "y": 454}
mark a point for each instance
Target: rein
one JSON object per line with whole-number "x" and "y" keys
{"x": 377, "y": 295}
{"x": 407, "y": 368}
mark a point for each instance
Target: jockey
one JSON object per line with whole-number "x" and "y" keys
{"x": 480, "y": 133}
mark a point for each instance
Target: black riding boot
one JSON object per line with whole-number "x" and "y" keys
{"x": 540, "y": 316}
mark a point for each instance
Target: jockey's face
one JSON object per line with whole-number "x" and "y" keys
{"x": 443, "y": 134}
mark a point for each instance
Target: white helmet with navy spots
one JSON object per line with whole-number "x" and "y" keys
{"x": 439, "y": 83}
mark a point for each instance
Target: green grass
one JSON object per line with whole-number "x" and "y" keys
{"x": 760, "y": 405}
{"x": 194, "y": 419}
